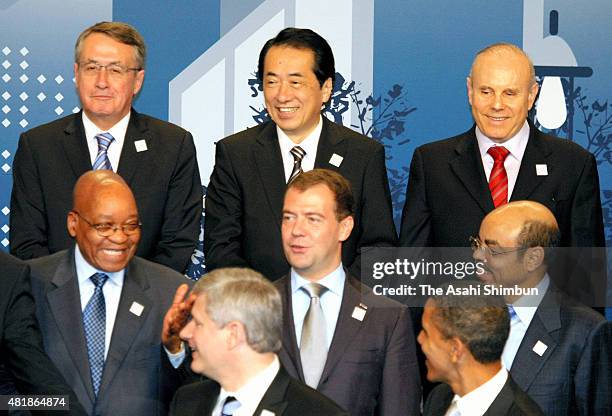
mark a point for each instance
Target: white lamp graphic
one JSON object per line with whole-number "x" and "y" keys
{"x": 553, "y": 59}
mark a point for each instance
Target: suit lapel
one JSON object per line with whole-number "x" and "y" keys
{"x": 210, "y": 395}
{"x": 291, "y": 350}
{"x": 536, "y": 152}
{"x": 75, "y": 147}
{"x": 467, "y": 166}
{"x": 127, "y": 324}
{"x": 329, "y": 144}
{"x": 65, "y": 305}
{"x": 275, "y": 400}
{"x": 347, "y": 327}
{"x": 130, "y": 159}
{"x": 269, "y": 163}
{"x": 527, "y": 363}
{"x": 503, "y": 402}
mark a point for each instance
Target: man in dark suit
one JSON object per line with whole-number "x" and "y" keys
{"x": 245, "y": 195}
{"x": 463, "y": 337}
{"x": 554, "y": 350}
{"x": 157, "y": 159}
{"x": 351, "y": 345}
{"x": 450, "y": 187}
{"x": 101, "y": 308}
{"x": 234, "y": 335}
{"x": 23, "y": 356}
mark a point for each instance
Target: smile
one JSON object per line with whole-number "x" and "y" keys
{"x": 113, "y": 252}
{"x": 287, "y": 109}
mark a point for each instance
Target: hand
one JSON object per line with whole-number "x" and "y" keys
{"x": 176, "y": 318}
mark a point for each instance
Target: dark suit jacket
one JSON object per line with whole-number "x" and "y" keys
{"x": 563, "y": 381}
{"x": 165, "y": 180}
{"x": 448, "y": 196}
{"x": 138, "y": 378}
{"x": 371, "y": 366}
{"x": 511, "y": 401}
{"x": 21, "y": 345}
{"x": 244, "y": 200}
{"x": 285, "y": 397}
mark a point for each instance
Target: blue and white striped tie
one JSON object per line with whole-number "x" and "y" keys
{"x": 102, "y": 161}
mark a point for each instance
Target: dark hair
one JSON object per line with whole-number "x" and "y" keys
{"x": 324, "y": 66}
{"x": 122, "y": 33}
{"x": 481, "y": 322}
{"x": 540, "y": 234}
{"x": 338, "y": 184}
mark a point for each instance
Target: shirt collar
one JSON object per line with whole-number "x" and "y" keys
{"x": 479, "y": 400}
{"x": 334, "y": 281}
{"x": 118, "y": 131}
{"x": 309, "y": 144}
{"x": 526, "y": 306}
{"x": 516, "y": 144}
{"x": 252, "y": 392}
{"x": 85, "y": 270}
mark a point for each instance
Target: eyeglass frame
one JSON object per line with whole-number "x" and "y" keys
{"x": 112, "y": 227}
{"x": 477, "y": 244}
{"x": 124, "y": 69}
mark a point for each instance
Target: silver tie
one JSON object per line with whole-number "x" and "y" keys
{"x": 313, "y": 345}
{"x": 298, "y": 154}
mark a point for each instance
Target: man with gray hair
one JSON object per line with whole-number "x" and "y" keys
{"x": 234, "y": 336}
{"x": 109, "y": 70}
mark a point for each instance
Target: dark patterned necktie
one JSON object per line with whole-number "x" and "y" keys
{"x": 298, "y": 154}
{"x": 94, "y": 323}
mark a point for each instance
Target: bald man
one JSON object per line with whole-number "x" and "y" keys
{"x": 554, "y": 343}
{"x": 455, "y": 182}
{"x": 101, "y": 308}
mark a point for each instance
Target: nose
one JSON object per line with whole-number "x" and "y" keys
{"x": 478, "y": 254}
{"x": 187, "y": 331}
{"x": 420, "y": 337}
{"x": 298, "y": 227}
{"x": 498, "y": 103}
{"x": 284, "y": 92}
{"x": 119, "y": 236}
{"x": 102, "y": 78}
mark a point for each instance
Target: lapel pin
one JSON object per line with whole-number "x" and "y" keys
{"x": 336, "y": 160}
{"x": 141, "y": 145}
{"x": 541, "y": 169}
{"x": 266, "y": 412}
{"x": 136, "y": 308}
{"x": 540, "y": 348}
{"x": 358, "y": 313}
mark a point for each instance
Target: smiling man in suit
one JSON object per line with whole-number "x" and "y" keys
{"x": 252, "y": 168}
{"x": 109, "y": 134}
{"x": 554, "y": 350}
{"x": 455, "y": 182}
{"x": 338, "y": 337}
{"x": 101, "y": 308}
{"x": 462, "y": 338}
{"x": 234, "y": 335}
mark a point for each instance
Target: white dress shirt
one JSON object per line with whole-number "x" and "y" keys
{"x": 525, "y": 308}
{"x": 111, "y": 289}
{"x": 476, "y": 402}
{"x": 330, "y": 301}
{"x": 251, "y": 393}
{"x": 309, "y": 145}
{"x": 118, "y": 131}
{"x": 516, "y": 145}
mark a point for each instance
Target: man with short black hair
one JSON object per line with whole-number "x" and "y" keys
{"x": 252, "y": 168}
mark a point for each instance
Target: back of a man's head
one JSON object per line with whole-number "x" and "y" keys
{"x": 244, "y": 295}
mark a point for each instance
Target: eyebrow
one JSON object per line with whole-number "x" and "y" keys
{"x": 491, "y": 242}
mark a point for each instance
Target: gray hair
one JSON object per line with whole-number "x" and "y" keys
{"x": 119, "y": 31}
{"x": 245, "y": 296}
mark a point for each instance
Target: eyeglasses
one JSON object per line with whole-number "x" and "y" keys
{"x": 477, "y": 244}
{"x": 114, "y": 70}
{"x": 106, "y": 230}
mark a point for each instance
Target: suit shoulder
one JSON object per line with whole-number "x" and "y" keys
{"x": 159, "y": 275}
{"x": 245, "y": 136}
{"x": 444, "y": 145}
{"x": 355, "y": 138}
{"x": 308, "y": 402}
{"x": 42, "y": 268}
{"x": 566, "y": 147}
{"x": 43, "y": 131}
{"x": 170, "y": 129}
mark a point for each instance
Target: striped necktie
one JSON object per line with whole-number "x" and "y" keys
{"x": 102, "y": 161}
{"x": 230, "y": 406}
{"x": 298, "y": 154}
{"x": 498, "y": 181}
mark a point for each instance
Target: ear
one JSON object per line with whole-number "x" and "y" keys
{"x": 346, "y": 226}
{"x": 71, "y": 223}
{"x": 457, "y": 350}
{"x": 139, "y": 81}
{"x": 327, "y": 90}
{"x": 236, "y": 334}
{"x": 470, "y": 90}
{"x": 533, "y": 93}
{"x": 533, "y": 259}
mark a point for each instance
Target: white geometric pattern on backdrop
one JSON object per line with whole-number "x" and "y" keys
{"x": 29, "y": 96}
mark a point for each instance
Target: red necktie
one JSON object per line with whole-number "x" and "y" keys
{"x": 498, "y": 181}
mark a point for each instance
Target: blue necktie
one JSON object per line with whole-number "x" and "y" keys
{"x": 102, "y": 161}
{"x": 230, "y": 406}
{"x": 94, "y": 323}
{"x": 513, "y": 316}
